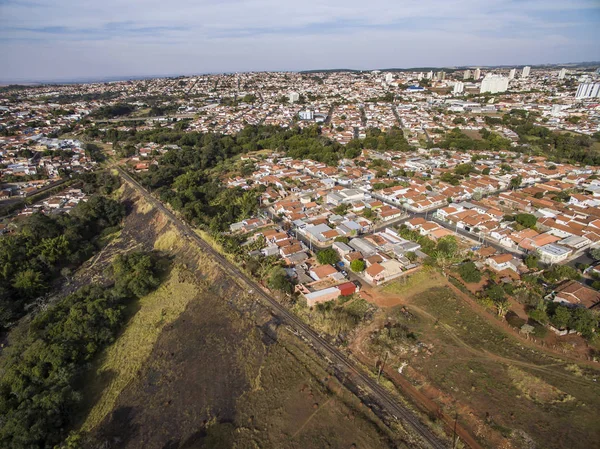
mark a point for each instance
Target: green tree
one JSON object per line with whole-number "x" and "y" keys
{"x": 561, "y": 317}
{"x": 469, "y": 272}
{"x": 595, "y": 253}
{"x": 584, "y": 321}
{"x": 526, "y": 220}
{"x": 515, "y": 182}
{"x": 357, "y": 265}
{"x": 538, "y": 315}
{"x": 495, "y": 293}
{"x": 502, "y": 307}
{"x": 279, "y": 280}
{"x": 561, "y": 272}
{"x": 342, "y": 239}
{"x": 29, "y": 283}
{"x": 463, "y": 169}
{"x": 134, "y": 274}
{"x": 367, "y": 212}
{"x": 447, "y": 246}
{"x": 328, "y": 256}
{"x": 531, "y": 261}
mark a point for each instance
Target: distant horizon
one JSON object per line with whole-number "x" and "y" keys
{"x": 118, "y": 78}
{"x": 66, "y": 40}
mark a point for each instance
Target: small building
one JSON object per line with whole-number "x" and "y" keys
{"x": 552, "y": 253}
{"x": 500, "y": 262}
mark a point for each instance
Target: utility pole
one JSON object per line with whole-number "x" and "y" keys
{"x": 454, "y": 438}
{"x": 382, "y": 365}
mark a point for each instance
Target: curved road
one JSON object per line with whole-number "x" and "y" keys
{"x": 361, "y": 379}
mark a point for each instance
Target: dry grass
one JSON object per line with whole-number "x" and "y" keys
{"x": 536, "y": 389}
{"x": 168, "y": 241}
{"x": 143, "y": 207}
{"x": 409, "y": 286}
{"x": 125, "y": 357}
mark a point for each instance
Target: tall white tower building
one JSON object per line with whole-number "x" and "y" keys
{"x": 562, "y": 74}
{"x": 526, "y": 71}
{"x": 388, "y": 78}
{"x": 588, "y": 90}
{"x": 459, "y": 87}
{"x": 494, "y": 84}
{"x": 429, "y": 75}
{"x": 467, "y": 75}
{"x": 511, "y": 74}
{"x": 477, "y": 73}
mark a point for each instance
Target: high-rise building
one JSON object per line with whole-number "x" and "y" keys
{"x": 494, "y": 84}
{"x": 562, "y": 74}
{"x": 294, "y": 96}
{"x": 388, "y": 78}
{"x": 420, "y": 76}
{"x": 588, "y": 90}
{"x": 526, "y": 71}
{"x": 459, "y": 87}
{"x": 511, "y": 74}
{"x": 477, "y": 74}
{"x": 467, "y": 75}
{"x": 429, "y": 75}
{"x": 440, "y": 76}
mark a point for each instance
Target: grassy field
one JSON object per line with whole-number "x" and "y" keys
{"x": 509, "y": 394}
{"x": 414, "y": 284}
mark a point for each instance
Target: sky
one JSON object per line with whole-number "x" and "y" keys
{"x": 62, "y": 40}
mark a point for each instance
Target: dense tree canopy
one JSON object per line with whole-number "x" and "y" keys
{"x": 42, "y": 368}
{"x": 31, "y": 257}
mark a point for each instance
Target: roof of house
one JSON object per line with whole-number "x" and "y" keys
{"x": 324, "y": 271}
{"x": 374, "y": 259}
{"x": 501, "y": 258}
{"x": 374, "y": 269}
{"x": 577, "y": 293}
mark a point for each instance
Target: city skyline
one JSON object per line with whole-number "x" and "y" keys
{"x": 70, "y": 41}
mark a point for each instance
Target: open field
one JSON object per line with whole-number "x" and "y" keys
{"x": 202, "y": 364}
{"x": 509, "y": 394}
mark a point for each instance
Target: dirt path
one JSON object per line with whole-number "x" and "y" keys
{"x": 311, "y": 417}
{"x": 423, "y": 402}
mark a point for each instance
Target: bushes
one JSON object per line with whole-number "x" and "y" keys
{"x": 41, "y": 369}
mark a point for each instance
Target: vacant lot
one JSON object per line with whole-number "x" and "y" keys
{"x": 508, "y": 394}
{"x": 201, "y": 364}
